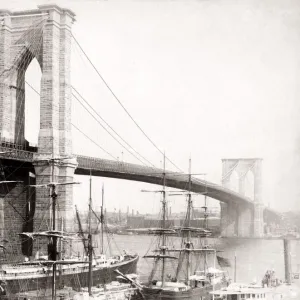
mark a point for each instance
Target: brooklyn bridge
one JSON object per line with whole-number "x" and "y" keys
{"x": 45, "y": 34}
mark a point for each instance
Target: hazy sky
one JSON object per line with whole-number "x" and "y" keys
{"x": 208, "y": 78}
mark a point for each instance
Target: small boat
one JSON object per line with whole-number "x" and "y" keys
{"x": 271, "y": 287}
{"x": 112, "y": 291}
{"x": 239, "y": 291}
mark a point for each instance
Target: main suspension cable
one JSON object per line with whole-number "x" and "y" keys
{"x": 108, "y": 131}
{"x": 119, "y": 101}
{"x": 110, "y": 126}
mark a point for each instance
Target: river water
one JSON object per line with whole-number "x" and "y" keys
{"x": 253, "y": 256}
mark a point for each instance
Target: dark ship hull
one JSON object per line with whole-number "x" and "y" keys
{"x": 196, "y": 293}
{"x": 72, "y": 277}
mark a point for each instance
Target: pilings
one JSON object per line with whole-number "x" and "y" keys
{"x": 287, "y": 260}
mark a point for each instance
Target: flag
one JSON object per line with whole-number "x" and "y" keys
{"x": 223, "y": 262}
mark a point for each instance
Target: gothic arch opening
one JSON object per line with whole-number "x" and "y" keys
{"x": 33, "y": 77}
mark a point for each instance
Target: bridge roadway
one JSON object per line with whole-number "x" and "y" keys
{"x": 129, "y": 171}
{"x": 123, "y": 170}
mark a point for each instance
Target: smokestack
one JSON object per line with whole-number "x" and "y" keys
{"x": 132, "y": 212}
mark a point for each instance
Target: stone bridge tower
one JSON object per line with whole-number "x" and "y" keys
{"x": 44, "y": 34}
{"x": 236, "y": 219}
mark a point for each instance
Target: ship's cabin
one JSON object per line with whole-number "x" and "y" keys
{"x": 241, "y": 292}
{"x": 170, "y": 286}
{"x": 208, "y": 276}
{"x": 241, "y": 296}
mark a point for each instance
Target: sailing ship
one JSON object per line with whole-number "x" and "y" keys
{"x": 196, "y": 285}
{"x": 123, "y": 289}
{"x": 43, "y": 273}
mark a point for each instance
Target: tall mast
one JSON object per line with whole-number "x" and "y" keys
{"x": 102, "y": 221}
{"x": 163, "y": 248}
{"x": 54, "y": 240}
{"x": 90, "y": 246}
{"x": 60, "y": 252}
{"x": 164, "y": 204}
{"x": 188, "y": 241}
{"x": 205, "y": 212}
{"x": 53, "y": 254}
{"x": 52, "y": 245}
{"x": 81, "y": 232}
{"x": 205, "y": 226}
{"x": 287, "y": 260}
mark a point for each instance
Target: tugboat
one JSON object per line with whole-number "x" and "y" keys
{"x": 238, "y": 291}
{"x": 271, "y": 287}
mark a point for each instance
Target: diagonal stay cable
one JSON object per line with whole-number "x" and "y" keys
{"x": 127, "y": 112}
{"x": 107, "y": 130}
{"x": 77, "y": 127}
{"x": 111, "y": 127}
{"x": 99, "y": 124}
{"x": 93, "y": 141}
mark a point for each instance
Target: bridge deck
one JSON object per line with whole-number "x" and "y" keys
{"x": 129, "y": 171}
{"x": 123, "y": 170}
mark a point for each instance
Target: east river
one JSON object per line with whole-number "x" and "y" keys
{"x": 253, "y": 257}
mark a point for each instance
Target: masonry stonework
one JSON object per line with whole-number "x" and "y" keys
{"x": 44, "y": 34}
{"x": 239, "y": 219}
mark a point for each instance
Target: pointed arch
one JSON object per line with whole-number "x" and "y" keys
{"x": 16, "y": 79}
{"x": 33, "y": 78}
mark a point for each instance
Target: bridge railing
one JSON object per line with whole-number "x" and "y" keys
{"x": 26, "y": 146}
{"x": 17, "y": 154}
{"x": 104, "y": 165}
{"x": 87, "y": 162}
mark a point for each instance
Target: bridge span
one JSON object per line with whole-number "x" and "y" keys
{"x": 134, "y": 172}
{"x": 240, "y": 211}
{"x": 128, "y": 171}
